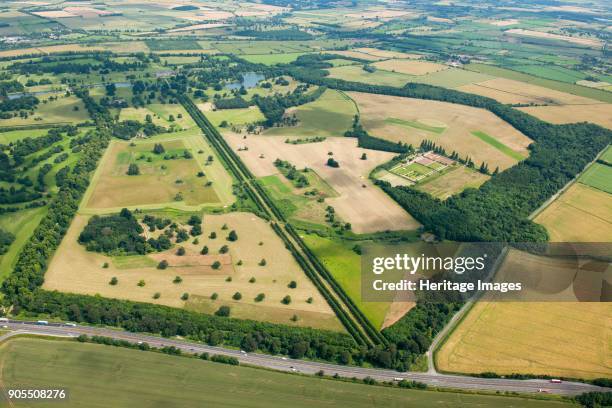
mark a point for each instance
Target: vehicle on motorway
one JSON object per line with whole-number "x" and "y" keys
{"x": 70, "y": 324}
{"x": 42, "y": 322}
{"x": 398, "y": 379}
{"x": 556, "y": 381}
{"x": 3, "y": 319}
{"x": 4, "y": 326}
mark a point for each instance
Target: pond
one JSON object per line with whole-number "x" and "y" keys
{"x": 249, "y": 80}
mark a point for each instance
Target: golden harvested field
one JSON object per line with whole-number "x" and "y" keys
{"x": 565, "y": 339}
{"x": 589, "y": 42}
{"x": 599, "y": 114}
{"x": 552, "y": 338}
{"x": 75, "y": 270}
{"x": 156, "y": 186}
{"x": 48, "y": 50}
{"x": 511, "y": 91}
{"x": 453, "y": 182}
{"x": 368, "y": 208}
{"x": 581, "y": 214}
{"x": 383, "y": 115}
{"x": 409, "y": 67}
{"x": 54, "y": 14}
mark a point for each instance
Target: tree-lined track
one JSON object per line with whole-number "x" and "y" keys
{"x": 351, "y": 317}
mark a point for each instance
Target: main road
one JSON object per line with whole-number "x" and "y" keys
{"x": 307, "y": 367}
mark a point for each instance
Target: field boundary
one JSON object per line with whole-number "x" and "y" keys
{"x": 559, "y": 193}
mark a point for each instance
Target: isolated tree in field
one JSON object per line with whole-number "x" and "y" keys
{"x": 194, "y": 220}
{"x": 224, "y": 227}
{"x": 232, "y": 236}
{"x": 223, "y": 249}
{"x": 292, "y": 285}
{"x": 216, "y": 265}
{"x": 237, "y": 296}
{"x": 171, "y": 118}
{"x": 286, "y": 300}
{"x": 162, "y": 264}
{"x": 332, "y": 163}
{"x": 223, "y": 124}
{"x": 252, "y": 280}
{"x": 262, "y": 262}
{"x": 113, "y": 281}
{"x": 141, "y": 283}
{"x": 224, "y": 311}
{"x": 182, "y": 235}
{"x": 185, "y": 296}
{"x": 204, "y": 250}
{"x": 111, "y": 89}
{"x": 212, "y": 235}
{"x": 260, "y": 297}
{"x": 177, "y": 279}
{"x": 209, "y": 159}
{"x": 133, "y": 170}
{"x": 294, "y": 318}
{"x": 157, "y": 295}
{"x": 196, "y": 230}
{"x": 364, "y": 156}
{"x": 214, "y": 296}
{"x": 158, "y": 148}
{"x": 309, "y": 300}
{"x": 148, "y": 118}
{"x": 180, "y": 251}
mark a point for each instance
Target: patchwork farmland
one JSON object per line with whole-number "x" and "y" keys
{"x": 214, "y": 174}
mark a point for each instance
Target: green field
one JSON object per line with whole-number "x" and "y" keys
{"x": 607, "y": 155}
{"x": 22, "y": 225}
{"x": 15, "y": 135}
{"x": 378, "y": 77}
{"x": 271, "y": 59}
{"x": 413, "y": 170}
{"x": 262, "y": 47}
{"x": 498, "y": 145}
{"x": 416, "y": 125}
{"x": 294, "y": 204}
{"x": 235, "y": 116}
{"x": 598, "y": 176}
{"x": 330, "y": 115}
{"x": 169, "y": 45}
{"x": 104, "y": 376}
{"x": 553, "y": 72}
{"x": 345, "y": 265}
{"x": 60, "y": 111}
